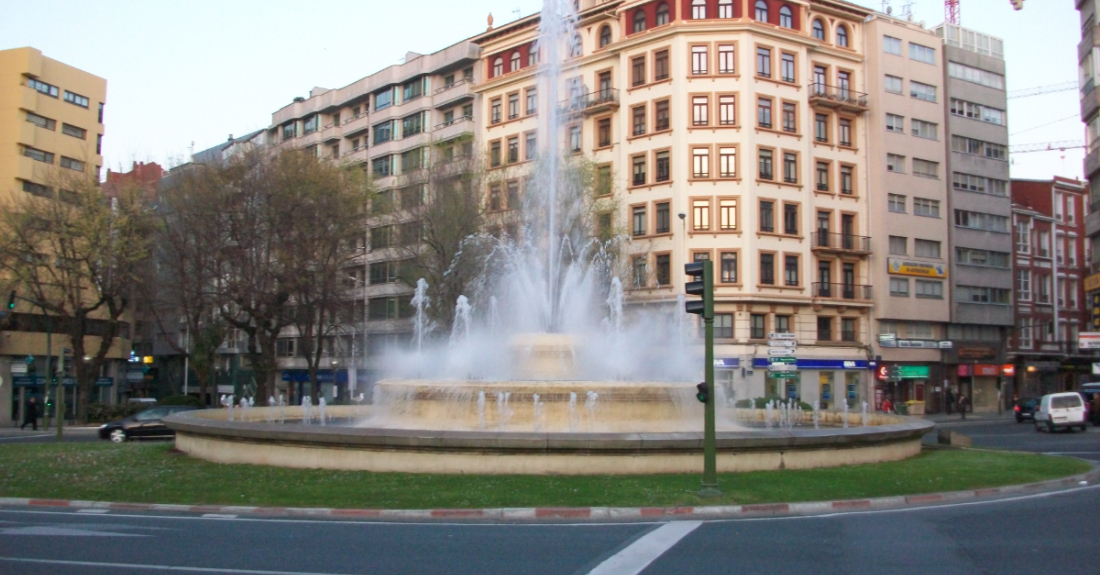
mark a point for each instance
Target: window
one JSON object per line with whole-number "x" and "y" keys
{"x": 895, "y": 123}
{"x": 725, "y": 8}
{"x": 727, "y": 162}
{"x": 790, "y": 271}
{"x": 982, "y": 295}
{"x": 975, "y": 75}
{"x": 381, "y": 167}
{"x": 893, "y": 84}
{"x": 764, "y": 62}
{"x": 727, "y": 61}
{"x": 603, "y": 132}
{"x": 42, "y": 87}
{"x": 494, "y": 111}
{"x": 790, "y": 122}
{"x": 69, "y": 163}
{"x": 979, "y": 112}
{"x": 727, "y": 214}
{"x": 698, "y": 9}
{"x": 966, "y": 145}
{"x": 757, "y": 328}
{"x": 926, "y": 207}
{"x": 637, "y": 71}
{"x": 922, "y": 53}
{"x": 819, "y": 29}
{"x": 661, "y": 121}
{"x": 575, "y": 138}
{"x": 415, "y": 88}
{"x": 38, "y": 155}
{"x": 605, "y": 36}
{"x": 926, "y": 92}
{"x": 700, "y": 110}
{"x": 895, "y": 163}
{"x": 896, "y": 203}
{"x": 982, "y": 258}
{"x": 664, "y": 269}
{"x": 530, "y": 146}
{"x": 820, "y": 74}
{"x": 513, "y": 195}
{"x": 891, "y": 45}
{"x": 513, "y": 149}
{"x": 494, "y": 198}
{"x": 790, "y": 219}
{"x": 926, "y": 248}
{"x": 532, "y": 101}
{"x": 767, "y": 269}
{"x": 824, "y": 328}
{"x": 638, "y": 165}
{"x": 764, "y": 112}
{"x": 926, "y": 169}
{"x": 1025, "y": 332}
{"x": 1023, "y": 238}
{"x": 1044, "y": 244}
{"x": 727, "y": 111}
{"x": 842, "y": 36}
{"x": 790, "y": 168}
{"x": 700, "y": 215}
{"x": 284, "y": 347}
{"x": 532, "y": 58}
{"x": 660, "y": 66}
{"x": 663, "y": 222}
{"x": 899, "y": 287}
{"x": 603, "y": 180}
{"x": 822, "y": 176}
{"x": 783, "y": 324}
{"x": 77, "y": 99}
{"x": 1023, "y": 285}
{"x": 786, "y": 19}
{"x": 71, "y": 130}
{"x": 638, "y": 117}
{"x": 844, "y": 132}
{"x": 786, "y": 67}
{"x": 383, "y": 100}
{"x": 848, "y": 329}
{"x": 663, "y": 165}
{"x": 662, "y": 13}
{"x": 767, "y": 216}
{"x": 922, "y": 129}
{"x": 728, "y": 265}
{"x": 821, "y": 127}
{"x": 699, "y": 60}
{"x": 988, "y": 223}
{"x": 638, "y": 265}
{"x": 899, "y": 245}
{"x": 494, "y": 153}
{"x": 700, "y": 162}
{"x": 411, "y": 125}
{"x": 513, "y": 106}
{"x": 639, "y": 21}
{"x": 723, "y": 325}
{"x": 638, "y": 218}
{"x": 765, "y": 164}
{"x": 846, "y": 180}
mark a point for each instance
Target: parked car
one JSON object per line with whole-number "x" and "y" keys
{"x": 1065, "y": 410}
{"x": 1025, "y": 408}
{"x": 145, "y": 424}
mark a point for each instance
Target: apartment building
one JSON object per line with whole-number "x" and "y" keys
{"x": 392, "y": 124}
{"x": 980, "y": 212}
{"x": 1050, "y": 263}
{"x": 1088, "y": 58}
{"x": 51, "y": 123}
{"x": 731, "y": 130}
{"x": 907, "y": 173}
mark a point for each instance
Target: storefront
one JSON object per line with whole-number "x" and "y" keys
{"x": 901, "y": 383}
{"x": 826, "y": 381}
{"x": 981, "y": 383}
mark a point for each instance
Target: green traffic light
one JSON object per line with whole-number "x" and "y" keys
{"x": 11, "y": 300}
{"x": 702, "y": 393}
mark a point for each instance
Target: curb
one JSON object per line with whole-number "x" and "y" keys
{"x": 552, "y": 514}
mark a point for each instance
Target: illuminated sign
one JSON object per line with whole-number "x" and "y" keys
{"x": 920, "y": 269}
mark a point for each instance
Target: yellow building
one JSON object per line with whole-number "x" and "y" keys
{"x": 51, "y": 119}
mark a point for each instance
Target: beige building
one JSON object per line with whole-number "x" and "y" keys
{"x": 51, "y": 119}
{"x": 909, "y": 228}
{"x": 724, "y": 129}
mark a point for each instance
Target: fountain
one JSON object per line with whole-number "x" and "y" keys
{"x": 546, "y": 368}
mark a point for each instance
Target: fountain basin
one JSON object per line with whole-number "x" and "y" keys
{"x": 208, "y": 435}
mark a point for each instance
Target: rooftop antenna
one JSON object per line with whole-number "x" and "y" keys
{"x": 515, "y": 14}
{"x": 907, "y": 10}
{"x": 951, "y": 11}
{"x": 886, "y": 6}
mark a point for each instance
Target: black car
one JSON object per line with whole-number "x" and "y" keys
{"x": 145, "y": 424}
{"x": 1025, "y": 408}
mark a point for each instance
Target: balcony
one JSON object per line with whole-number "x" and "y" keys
{"x": 330, "y": 133}
{"x": 841, "y": 98}
{"x": 451, "y": 94}
{"x": 355, "y": 125}
{"x": 824, "y": 241}
{"x": 842, "y": 291}
{"x": 591, "y": 103}
{"x": 457, "y": 126}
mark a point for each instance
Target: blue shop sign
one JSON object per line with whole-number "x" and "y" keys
{"x": 726, "y": 362}
{"x": 812, "y": 363}
{"x": 323, "y": 375}
{"x": 104, "y": 381}
{"x": 33, "y": 381}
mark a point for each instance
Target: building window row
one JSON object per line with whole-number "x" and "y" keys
{"x": 964, "y": 145}
{"x": 976, "y": 75}
{"x": 979, "y": 112}
{"x": 981, "y": 221}
{"x": 982, "y": 258}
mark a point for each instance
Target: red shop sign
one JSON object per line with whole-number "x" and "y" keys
{"x": 1008, "y": 370}
{"x": 987, "y": 370}
{"x": 964, "y": 370}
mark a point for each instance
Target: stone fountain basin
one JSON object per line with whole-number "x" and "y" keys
{"x": 207, "y": 434}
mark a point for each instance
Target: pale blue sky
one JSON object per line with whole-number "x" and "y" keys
{"x": 196, "y": 71}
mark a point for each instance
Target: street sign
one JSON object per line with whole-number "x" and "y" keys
{"x": 782, "y": 367}
{"x": 946, "y": 345}
{"x": 781, "y": 336}
{"x": 18, "y": 368}
{"x": 781, "y": 351}
{"x": 775, "y": 360}
{"x": 781, "y": 343}
{"x": 783, "y": 375}
{"x": 1088, "y": 340}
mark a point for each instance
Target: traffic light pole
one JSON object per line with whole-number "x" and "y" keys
{"x": 710, "y": 465}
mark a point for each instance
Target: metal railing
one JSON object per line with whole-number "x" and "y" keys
{"x": 852, "y": 292}
{"x": 840, "y": 241}
{"x": 582, "y": 102}
{"x": 838, "y": 94}
{"x": 452, "y": 122}
{"x": 454, "y": 84}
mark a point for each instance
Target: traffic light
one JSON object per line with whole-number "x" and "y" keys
{"x": 702, "y": 393}
{"x": 11, "y": 301}
{"x": 702, "y": 285}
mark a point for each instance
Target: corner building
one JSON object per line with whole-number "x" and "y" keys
{"x": 734, "y": 130}
{"x": 1088, "y": 65}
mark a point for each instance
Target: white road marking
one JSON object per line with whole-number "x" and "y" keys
{"x": 219, "y": 516}
{"x": 94, "y": 511}
{"x": 646, "y": 550}
{"x": 26, "y": 436}
{"x": 159, "y": 567}
{"x": 62, "y": 531}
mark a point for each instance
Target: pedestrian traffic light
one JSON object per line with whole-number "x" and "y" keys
{"x": 702, "y": 393}
{"x": 702, "y": 285}
{"x": 11, "y": 301}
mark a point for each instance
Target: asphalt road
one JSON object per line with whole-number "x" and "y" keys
{"x": 14, "y": 435}
{"x": 1005, "y": 433}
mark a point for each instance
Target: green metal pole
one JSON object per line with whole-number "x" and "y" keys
{"x": 710, "y": 465}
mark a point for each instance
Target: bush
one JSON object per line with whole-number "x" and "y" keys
{"x": 102, "y": 413}
{"x": 181, "y": 400}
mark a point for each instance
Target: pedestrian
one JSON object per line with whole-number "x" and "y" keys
{"x": 949, "y": 400}
{"x": 30, "y": 414}
{"x": 887, "y": 407}
{"x": 962, "y": 405}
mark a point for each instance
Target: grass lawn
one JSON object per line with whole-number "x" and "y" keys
{"x": 151, "y": 473}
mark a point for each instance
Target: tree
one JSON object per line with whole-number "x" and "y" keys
{"x": 78, "y": 255}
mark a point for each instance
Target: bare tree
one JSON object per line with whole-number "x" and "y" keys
{"x": 77, "y": 254}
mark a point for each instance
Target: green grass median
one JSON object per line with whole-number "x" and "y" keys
{"x": 153, "y": 473}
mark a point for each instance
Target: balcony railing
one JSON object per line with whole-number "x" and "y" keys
{"x": 454, "y": 84}
{"x": 452, "y": 122}
{"x": 824, "y": 240}
{"x": 842, "y": 291}
{"x": 591, "y": 102}
{"x": 838, "y": 96}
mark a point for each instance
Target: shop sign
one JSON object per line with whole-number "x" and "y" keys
{"x": 1088, "y": 340}
{"x": 1008, "y": 370}
{"x": 913, "y": 371}
{"x": 1092, "y": 282}
{"x": 918, "y": 344}
{"x": 727, "y": 362}
{"x": 920, "y": 269}
{"x": 1096, "y": 369}
{"x": 814, "y": 363}
{"x": 976, "y": 352}
{"x": 104, "y": 381}
{"x": 18, "y": 368}
{"x": 986, "y": 370}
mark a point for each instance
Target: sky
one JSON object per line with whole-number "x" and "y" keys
{"x": 183, "y": 76}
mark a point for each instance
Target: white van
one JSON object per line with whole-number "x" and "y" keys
{"x": 1061, "y": 410}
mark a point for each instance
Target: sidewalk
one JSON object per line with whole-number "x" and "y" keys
{"x": 956, "y": 418}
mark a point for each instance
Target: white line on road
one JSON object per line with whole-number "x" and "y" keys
{"x": 94, "y": 511}
{"x": 26, "y": 436}
{"x": 219, "y": 516}
{"x": 158, "y": 567}
{"x": 646, "y": 550}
